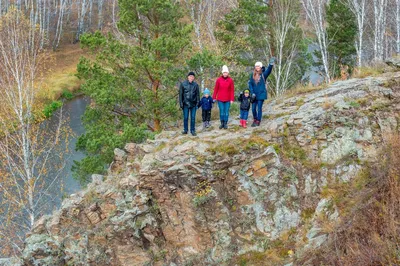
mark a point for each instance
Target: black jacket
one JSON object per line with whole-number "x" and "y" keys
{"x": 244, "y": 102}
{"x": 189, "y": 94}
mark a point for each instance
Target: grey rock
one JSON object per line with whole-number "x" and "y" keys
{"x": 119, "y": 155}
{"x": 393, "y": 61}
{"x": 97, "y": 179}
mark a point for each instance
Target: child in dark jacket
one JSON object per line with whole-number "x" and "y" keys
{"x": 245, "y": 103}
{"x": 206, "y": 105}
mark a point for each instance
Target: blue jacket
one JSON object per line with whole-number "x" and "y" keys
{"x": 206, "y": 103}
{"x": 259, "y": 89}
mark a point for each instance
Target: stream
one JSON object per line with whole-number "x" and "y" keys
{"x": 72, "y": 113}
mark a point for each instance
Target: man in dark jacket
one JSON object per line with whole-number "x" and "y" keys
{"x": 189, "y": 98}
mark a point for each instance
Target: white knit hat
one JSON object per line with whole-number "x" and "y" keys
{"x": 258, "y": 64}
{"x": 225, "y": 69}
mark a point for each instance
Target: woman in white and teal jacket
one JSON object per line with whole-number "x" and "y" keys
{"x": 258, "y": 90}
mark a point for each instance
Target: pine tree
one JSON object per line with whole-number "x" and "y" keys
{"x": 242, "y": 36}
{"x": 132, "y": 81}
{"x": 342, "y": 31}
{"x": 243, "y": 32}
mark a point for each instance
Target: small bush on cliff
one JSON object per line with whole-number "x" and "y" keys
{"x": 203, "y": 194}
{"x": 368, "y": 232}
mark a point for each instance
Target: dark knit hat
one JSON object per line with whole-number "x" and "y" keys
{"x": 191, "y": 73}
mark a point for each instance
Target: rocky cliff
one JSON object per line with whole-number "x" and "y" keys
{"x": 250, "y": 196}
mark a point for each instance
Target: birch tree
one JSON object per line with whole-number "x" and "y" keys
{"x": 315, "y": 11}
{"x": 60, "y": 20}
{"x": 27, "y": 150}
{"x": 379, "y": 30}
{"x": 358, "y": 7}
{"x": 286, "y": 40}
{"x": 83, "y": 6}
{"x": 397, "y": 26}
{"x": 100, "y": 4}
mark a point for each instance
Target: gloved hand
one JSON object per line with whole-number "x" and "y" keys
{"x": 253, "y": 98}
{"x": 272, "y": 60}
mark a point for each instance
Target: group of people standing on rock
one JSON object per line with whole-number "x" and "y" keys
{"x": 224, "y": 95}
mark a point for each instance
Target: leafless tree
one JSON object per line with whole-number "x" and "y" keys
{"x": 379, "y": 30}
{"x": 27, "y": 150}
{"x": 315, "y": 11}
{"x": 358, "y": 7}
{"x": 285, "y": 15}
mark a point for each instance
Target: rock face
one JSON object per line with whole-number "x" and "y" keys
{"x": 212, "y": 199}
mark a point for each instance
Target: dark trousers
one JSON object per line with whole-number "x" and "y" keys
{"x": 244, "y": 114}
{"x": 186, "y": 111}
{"x": 257, "y": 109}
{"x": 206, "y": 115}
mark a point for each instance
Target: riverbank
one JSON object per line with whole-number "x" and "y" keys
{"x": 61, "y": 76}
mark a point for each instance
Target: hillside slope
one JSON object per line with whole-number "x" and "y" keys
{"x": 253, "y": 196}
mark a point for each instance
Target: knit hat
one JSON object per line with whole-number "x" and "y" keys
{"x": 246, "y": 91}
{"x": 225, "y": 69}
{"x": 191, "y": 73}
{"x": 206, "y": 91}
{"x": 258, "y": 64}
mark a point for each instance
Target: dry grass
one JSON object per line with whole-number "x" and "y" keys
{"x": 369, "y": 230}
{"x": 373, "y": 70}
{"x": 300, "y": 89}
{"x": 327, "y": 104}
{"x": 61, "y": 74}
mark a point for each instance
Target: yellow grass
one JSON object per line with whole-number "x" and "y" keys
{"x": 368, "y": 71}
{"x": 61, "y": 74}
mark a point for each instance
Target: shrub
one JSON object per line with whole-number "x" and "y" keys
{"x": 50, "y": 108}
{"x": 66, "y": 94}
{"x": 203, "y": 193}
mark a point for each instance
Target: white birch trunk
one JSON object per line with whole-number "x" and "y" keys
{"x": 24, "y": 155}
{"x": 315, "y": 10}
{"x": 397, "y": 27}
{"x": 379, "y": 9}
{"x": 285, "y": 19}
{"x": 100, "y": 4}
{"x": 358, "y": 7}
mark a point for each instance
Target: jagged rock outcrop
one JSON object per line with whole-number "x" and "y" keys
{"x": 216, "y": 198}
{"x": 394, "y": 61}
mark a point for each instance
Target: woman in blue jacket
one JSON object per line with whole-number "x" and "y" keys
{"x": 258, "y": 89}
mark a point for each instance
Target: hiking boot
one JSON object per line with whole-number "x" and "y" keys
{"x": 204, "y": 124}
{"x": 226, "y": 125}
{"x": 208, "y": 124}
{"x": 184, "y": 132}
{"x": 193, "y": 133}
{"x": 258, "y": 123}
{"x": 254, "y": 123}
{"x": 222, "y": 125}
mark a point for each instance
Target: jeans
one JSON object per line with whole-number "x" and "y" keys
{"x": 224, "y": 110}
{"x": 186, "y": 111}
{"x": 244, "y": 114}
{"x": 206, "y": 115}
{"x": 257, "y": 109}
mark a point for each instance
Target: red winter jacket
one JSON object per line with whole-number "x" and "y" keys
{"x": 224, "y": 90}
